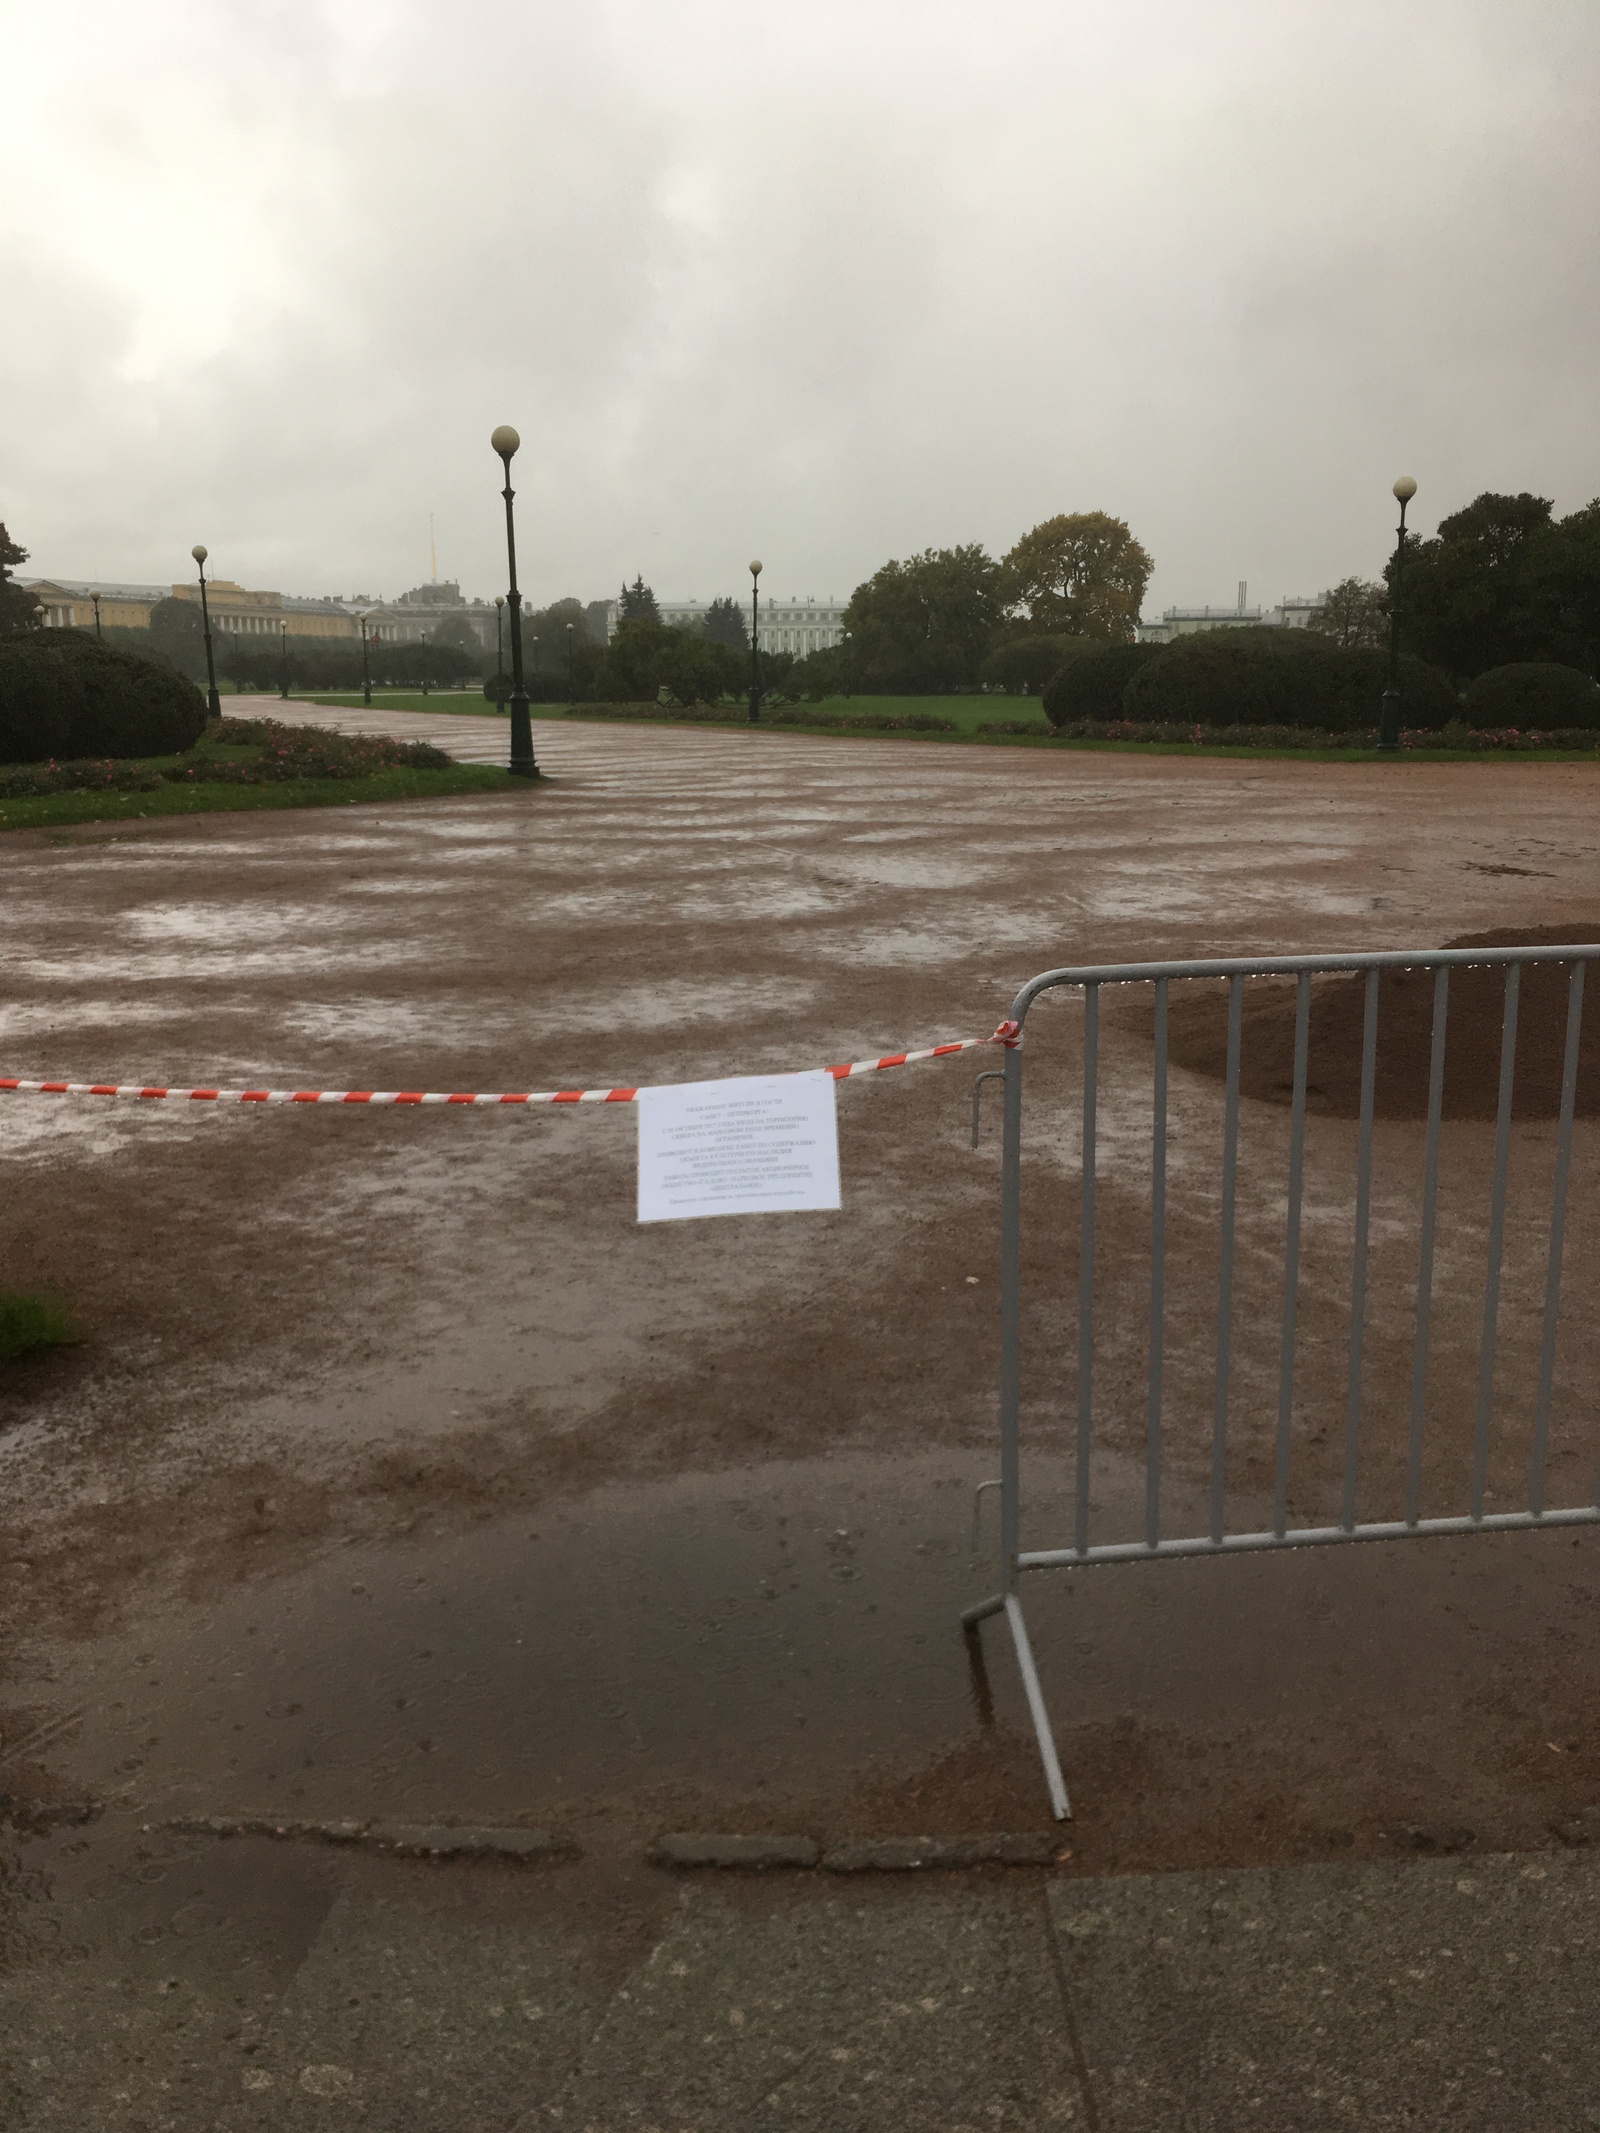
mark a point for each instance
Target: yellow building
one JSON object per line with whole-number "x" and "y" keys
{"x": 70, "y": 606}
{"x": 240, "y": 613}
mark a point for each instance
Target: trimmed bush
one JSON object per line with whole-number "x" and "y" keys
{"x": 61, "y": 694}
{"x": 1026, "y": 664}
{"x": 1532, "y": 692}
{"x": 1090, "y": 685}
{"x": 1281, "y": 678}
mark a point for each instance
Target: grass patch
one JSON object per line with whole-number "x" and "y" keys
{"x": 29, "y": 1322}
{"x": 240, "y": 764}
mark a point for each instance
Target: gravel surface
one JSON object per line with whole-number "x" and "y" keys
{"x": 341, "y": 1369}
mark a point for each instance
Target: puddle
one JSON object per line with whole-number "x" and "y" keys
{"x": 758, "y": 1633}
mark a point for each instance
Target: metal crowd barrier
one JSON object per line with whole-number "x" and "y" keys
{"x": 1219, "y": 1538}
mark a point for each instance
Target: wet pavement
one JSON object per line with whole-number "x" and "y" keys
{"x": 401, "y": 1473}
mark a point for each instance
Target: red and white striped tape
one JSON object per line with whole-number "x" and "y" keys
{"x": 1006, "y": 1035}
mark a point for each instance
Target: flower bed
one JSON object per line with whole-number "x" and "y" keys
{"x": 21, "y": 781}
{"x": 282, "y": 754}
{"x": 288, "y": 752}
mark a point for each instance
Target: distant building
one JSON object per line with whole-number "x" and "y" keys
{"x": 1185, "y": 621}
{"x": 413, "y": 618}
{"x": 794, "y": 625}
{"x": 238, "y": 612}
{"x": 68, "y": 603}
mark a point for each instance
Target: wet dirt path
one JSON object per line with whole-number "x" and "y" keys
{"x": 401, "y": 1471}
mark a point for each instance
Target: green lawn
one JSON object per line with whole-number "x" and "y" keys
{"x": 968, "y": 713}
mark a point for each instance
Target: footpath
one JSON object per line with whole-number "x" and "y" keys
{"x": 153, "y": 1979}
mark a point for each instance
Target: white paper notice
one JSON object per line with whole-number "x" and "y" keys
{"x": 767, "y": 1144}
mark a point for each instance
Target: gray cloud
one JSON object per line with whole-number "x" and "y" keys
{"x": 832, "y": 284}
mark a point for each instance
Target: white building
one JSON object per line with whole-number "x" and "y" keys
{"x": 797, "y": 625}
{"x": 413, "y": 618}
{"x": 1291, "y": 614}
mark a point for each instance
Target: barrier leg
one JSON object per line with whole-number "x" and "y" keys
{"x": 972, "y": 1616}
{"x": 1060, "y": 1805}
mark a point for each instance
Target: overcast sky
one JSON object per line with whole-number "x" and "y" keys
{"x": 824, "y": 282}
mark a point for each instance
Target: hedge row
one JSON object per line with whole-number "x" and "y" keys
{"x": 1484, "y": 740}
{"x": 1285, "y": 679}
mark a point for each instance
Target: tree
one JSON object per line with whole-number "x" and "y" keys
{"x": 644, "y": 658}
{"x": 698, "y": 671}
{"x": 549, "y": 627}
{"x": 1023, "y": 665}
{"x": 638, "y": 603}
{"x": 635, "y": 662}
{"x": 724, "y": 624}
{"x": 924, "y": 625}
{"x": 1562, "y": 574}
{"x": 19, "y": 608}
{"x": 459, "y": 631}
{"x": 1354, "y": 616}
{"x": 177, "y": 632}
{"x": 1501, "y": 583}
{"x": 1080, "y": 574}
{"x": 820, "y": 675}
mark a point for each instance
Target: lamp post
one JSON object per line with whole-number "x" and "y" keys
{"x": 755, "y": 655}
{"x": 572, "y": 670}
{"x": 95, "y": 597}
{"x": 1389, "y": 725}
{"x": 499, "y": 652}
{"x": 213, "y": 702}
{"x": 505, "y": 441}
{"x": 847, "y": 666}
{"x": 366, "y": 666}
{"x": 283, "y": 647}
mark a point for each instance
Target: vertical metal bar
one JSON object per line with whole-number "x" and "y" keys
{"x": 1291, "y": 1250}
{"x": 1010, "y": 1316}
{"x": 1358, "y": 1272}
{"x": 1558, "y": 1231}
{"x": 1430, "y": 1204}
{"x": 1091, "y": 1072}
{"x": 1158, "y": 1275}
{"x": 1230, "y": 1175}
{"x": 1497, "y": 1233}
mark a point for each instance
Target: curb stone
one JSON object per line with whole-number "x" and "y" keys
{"x": 904, "y": 1855}
{"x": 35, "y": 1818}
{"x": 754, "y": 1854}
{"x": 424, "y": 1840}
{"x": 860, "y": 1855}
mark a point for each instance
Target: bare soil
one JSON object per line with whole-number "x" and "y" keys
{"x": 417, "y": 1338}
{"x": 1197, "y": 1035}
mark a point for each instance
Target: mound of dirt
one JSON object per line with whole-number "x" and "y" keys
{"x": 1197, "y": 1035}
